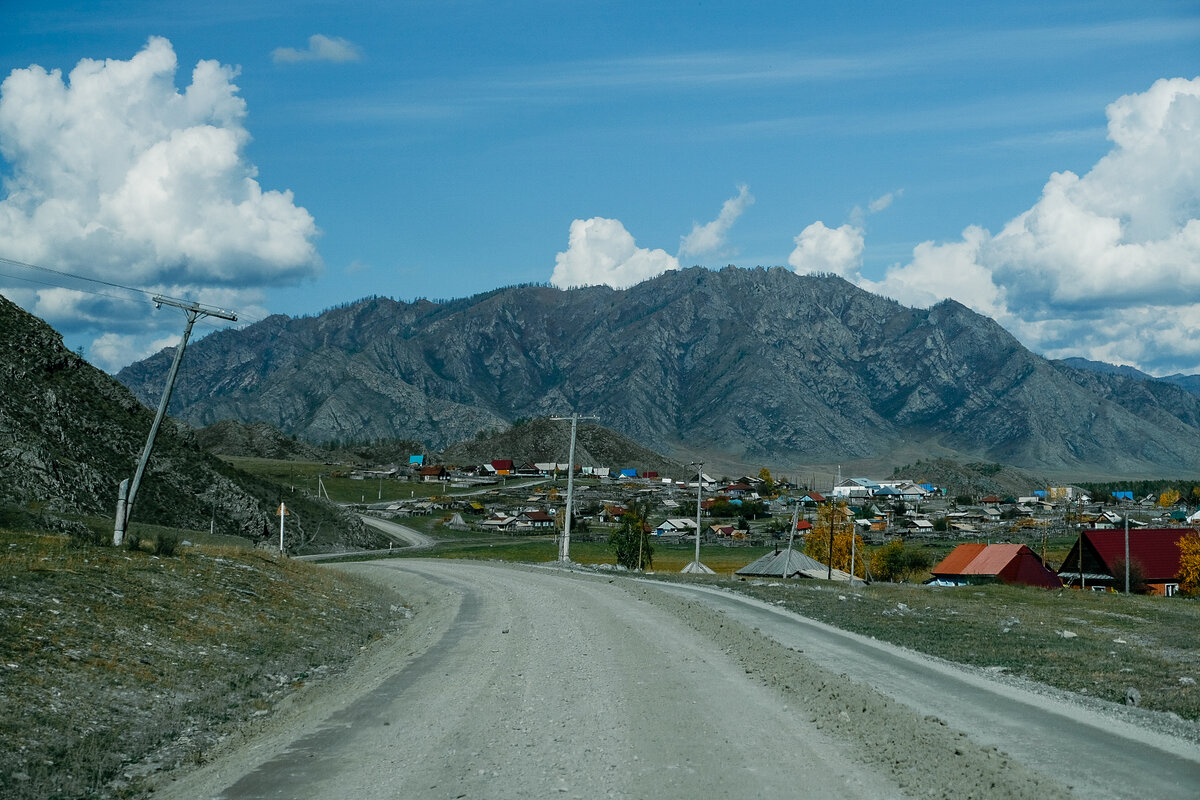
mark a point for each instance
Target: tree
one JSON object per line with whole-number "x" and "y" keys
{"x": 764, "y": 475}
{"x": 897, "y": 562}
{"x": 1137, "y": 577}
{"x": 832, "y": 519}
{"x": 631, "y": 541}
{"x": 1168, "y": 498}
{"x": 1189, "y": 563}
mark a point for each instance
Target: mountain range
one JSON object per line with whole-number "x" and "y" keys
{"x": 753, "y": 365}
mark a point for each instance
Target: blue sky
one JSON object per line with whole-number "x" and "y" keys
{"x": 437, "y": 149}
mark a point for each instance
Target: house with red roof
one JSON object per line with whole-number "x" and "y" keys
{"x": 975, "y": 563}
{"x": 432, "y": 473}
{"x": 1097, "y": 559}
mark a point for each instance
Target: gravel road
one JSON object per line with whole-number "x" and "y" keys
{"x": 533, "y": 682}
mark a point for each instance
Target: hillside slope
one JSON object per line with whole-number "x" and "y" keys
{"x": 544, "y": 440}
{"x": 70, "y": 433}
{"x": 757, "y": 364}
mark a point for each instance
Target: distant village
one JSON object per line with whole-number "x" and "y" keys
{"x": 502, "y": 496}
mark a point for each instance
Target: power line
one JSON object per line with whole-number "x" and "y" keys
{"x": 149, "y": 295}
{"x": 72, "y": 275}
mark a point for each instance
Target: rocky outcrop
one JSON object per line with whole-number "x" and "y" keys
{"x": 756, "y": 364}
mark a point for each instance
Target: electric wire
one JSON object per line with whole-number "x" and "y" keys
{"x": 89, "y": 280}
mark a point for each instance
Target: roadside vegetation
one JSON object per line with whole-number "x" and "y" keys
{"x": 118, "y": 662}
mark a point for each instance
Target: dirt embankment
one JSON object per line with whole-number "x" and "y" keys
{"x": 118, "y": 665}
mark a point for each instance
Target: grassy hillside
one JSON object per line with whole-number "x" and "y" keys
{"x": 117, "y": 663}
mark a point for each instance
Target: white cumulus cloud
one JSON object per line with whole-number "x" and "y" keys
{"x": 710, "y": 239}
{"x": 821, "y": 250}
{"x": 117, "y": 175}
{"x": 320, "y": 48}
{"x": 601, "y": 252}
{"x": 1105, "y": 265}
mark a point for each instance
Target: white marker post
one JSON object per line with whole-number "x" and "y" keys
{"x": 282, "y": 512}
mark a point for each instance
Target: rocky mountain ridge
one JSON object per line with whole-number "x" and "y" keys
{"x": 760, "y": 365}
{"x": 1189, "y": 383}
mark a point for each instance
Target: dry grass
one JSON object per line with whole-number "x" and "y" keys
{"x": 118, "y": 662}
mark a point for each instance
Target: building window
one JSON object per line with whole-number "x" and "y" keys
{"x": 1171, "y": 589}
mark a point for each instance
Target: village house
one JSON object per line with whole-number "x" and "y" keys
{"x": 855, "y": 488}
{"x": 1097, "y": 560}
{"x": 678, "y": 526}
{"x": 499, "y": 521}
{"x": 534, "y": 520}
{"x": 917, "y": 525}
{"x": 977, "y": 563}
{"x": 433, "y": 473}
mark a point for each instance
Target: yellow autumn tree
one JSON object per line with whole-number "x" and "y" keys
{"x": 1189, "y": 563}
{"x": 1168, "y": 498}
{"x": 764, "y": 475}
{"x": 816, "y": 541}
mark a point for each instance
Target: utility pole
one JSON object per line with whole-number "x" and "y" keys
{"x": 564, "y": 545}
{"x": 127, "y": 492}
{"x": 696, "y": 568}
{"x": 787, "y": 564}
{"x": 1126, "y": 553}
{"x": 832, "y": 514}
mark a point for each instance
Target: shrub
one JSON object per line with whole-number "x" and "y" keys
{"x": 166, "y": 544}
{"x": 897, "y": 562}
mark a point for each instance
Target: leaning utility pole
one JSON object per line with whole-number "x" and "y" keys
{"x": 564, "y": 545}
{"x": 127, "y": 492}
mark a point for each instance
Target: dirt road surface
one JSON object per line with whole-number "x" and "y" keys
{"x": 398, "y": 532}
{"x": 527, "y": 682}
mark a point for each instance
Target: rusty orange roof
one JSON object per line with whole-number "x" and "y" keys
{"x": 1008, "y": 563}
{"x": 959, "y": 559}
{"x": 993, "y": 559}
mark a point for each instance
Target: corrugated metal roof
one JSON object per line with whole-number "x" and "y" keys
{"x": 1156, "y": 549}
{"x": 993, "y": 559}
{"x": 1010, "y": 563}
{"x": 959, "y": 558}
{"x": 785, "y": 564}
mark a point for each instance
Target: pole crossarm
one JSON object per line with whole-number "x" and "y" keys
{"x": 195, "y": 308}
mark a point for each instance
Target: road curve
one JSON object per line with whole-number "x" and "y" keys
{"x": 394, "y": 530}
